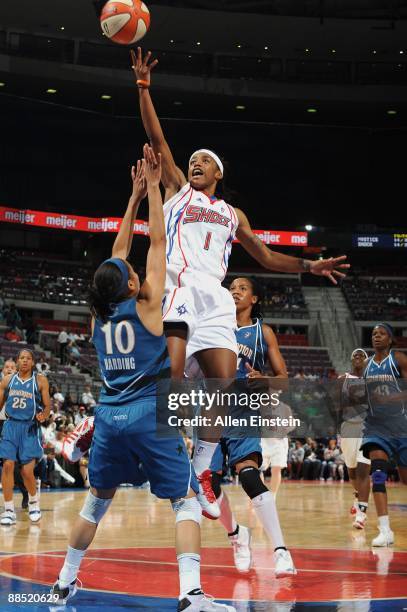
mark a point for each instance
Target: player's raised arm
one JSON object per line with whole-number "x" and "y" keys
{"x": 152, "y": 290}
{"x": 286, "y": 263}
{"x": 172, "y": 177}
{"x": 122, "y": 244}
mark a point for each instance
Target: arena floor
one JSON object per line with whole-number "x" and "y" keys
{"x": 132, "y": 564}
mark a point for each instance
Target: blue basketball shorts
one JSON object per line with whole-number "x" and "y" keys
{"x": 236, "y": 450}
{"x": 125, "y": 448}
{"x": 393, "y": 447}
{"x": 21, "y": 441}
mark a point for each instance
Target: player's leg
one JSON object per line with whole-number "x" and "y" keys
{"x": 168, "y": 468}
{"x": 30, "y": 483}
{"x": 176, "y": 334}
{"x": 238, "y": 535}
{"x": 362, "y": 473}
{"x": 275, "y": 481}
{"x": 95, "y": 507}
{"x": 8, "y": 517}
{"x": 380, "y": 466}
{"x": 215, "y": 363}
{"x": 278, "y": 461}
{"x": 247, "y": 467}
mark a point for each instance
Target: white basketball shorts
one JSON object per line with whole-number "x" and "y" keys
{"x": 208, "y": 310}
{"x": 351, "y": 441}
{"x": 275, "y": 452}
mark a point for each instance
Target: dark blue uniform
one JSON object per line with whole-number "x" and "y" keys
{"x": 252, "y": 348}
{"x": 386, "y": 423}
{"x": 21, "y": 435}
{"x": 125, "y": 446}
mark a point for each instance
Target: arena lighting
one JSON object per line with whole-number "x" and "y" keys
{"x": 333, "y": 50}
{"x": 171, "y": 41}
{"x": 177, "y": 103}
{"x": 391, "y": 112}
{"x": 312, "y": 110}
{"x": 239, "y": 46}
{"x": 309, "y": 228}
{"x": 51, "y": 91}
{"x": 266, "y": 48}
{"x": 307, "y": 50}
{"x": 240, "y": 107}
{"x": 106, "y": 97}
{"x": 62, "y": 28}
{"x": 401, "y": 52}
{"x": 2, "y": 84}
{"x": 374, "y": 51}
{"x": 198, "y": 43}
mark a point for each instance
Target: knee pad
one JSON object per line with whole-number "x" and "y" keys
{"x": 216, "y": 488}
{"x": 251, "y": 482}
{"x": 380, "y": 468}
{"x": 187, "y": 510}
{"x": 94, "y": 508}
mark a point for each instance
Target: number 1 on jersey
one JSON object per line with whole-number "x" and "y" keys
{"x": 207, "y": 241}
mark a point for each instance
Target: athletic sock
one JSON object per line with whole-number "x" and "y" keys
{"x": 189, "y": 565}
{"x": 203, "y": 454}
{"x": 71, "y": 566}
{"x": 226, "y": 515}
{"x": 266, "y": 510}
{"x": 384, "y": 522}
{"x": 9, "y": 505}
{"x": 363, "y": 507}
{"x": 33, "y": 499}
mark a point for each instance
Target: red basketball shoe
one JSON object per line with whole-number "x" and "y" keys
{"x": 78, "y": 442}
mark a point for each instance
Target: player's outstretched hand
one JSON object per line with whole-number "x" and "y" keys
{"x": 152, "y": 166}
{"x": 327, "y": 267}
{"x": 139, "y": 182}
{"x": 142, "y": 67}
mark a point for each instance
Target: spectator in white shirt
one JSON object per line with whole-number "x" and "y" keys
{"x": 87, "y": 397}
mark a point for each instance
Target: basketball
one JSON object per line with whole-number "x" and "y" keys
{"x": 125, "y": 21}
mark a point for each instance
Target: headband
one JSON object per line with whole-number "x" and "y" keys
{"x": 359, "y": 350}
{"x": 211, "y": 154}
{"x": 119, "y": 263}
{"x": 387, "y": 327}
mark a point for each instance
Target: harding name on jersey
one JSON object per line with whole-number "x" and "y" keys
{"x": 119, "y": 363}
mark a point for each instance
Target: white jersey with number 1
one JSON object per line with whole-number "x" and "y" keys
{"x": 200, "y": 231}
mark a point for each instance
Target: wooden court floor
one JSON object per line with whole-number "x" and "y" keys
{"x": 132, "y": 556}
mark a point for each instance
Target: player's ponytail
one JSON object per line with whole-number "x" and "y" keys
{"x": 223, "y": 191}
{"x": 105, "y": 291}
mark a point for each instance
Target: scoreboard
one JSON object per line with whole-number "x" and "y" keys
{"x": 379, "y": 241}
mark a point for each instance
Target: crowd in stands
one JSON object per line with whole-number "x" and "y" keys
{"x": 376, "y": 298}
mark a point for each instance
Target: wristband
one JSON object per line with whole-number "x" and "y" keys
{"x": 305, "y": 265}
{"x": 142, "y": 84}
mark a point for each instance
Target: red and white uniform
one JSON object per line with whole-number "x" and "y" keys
{"x": 352, "y": 427}
{"x": 200, "y": 231}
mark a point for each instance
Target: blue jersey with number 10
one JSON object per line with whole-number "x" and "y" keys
{"x": 131, "y": 358}
{"x": 23, "y": 399}
{"x": 252, "y": 348}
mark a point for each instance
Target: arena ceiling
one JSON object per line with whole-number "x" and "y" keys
{"x": 266, "y": 60}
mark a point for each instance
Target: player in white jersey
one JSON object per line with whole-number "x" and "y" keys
{"x": 351, "y": 439}
{"x": 199, "y": 314}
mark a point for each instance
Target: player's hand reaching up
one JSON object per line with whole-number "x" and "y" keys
{"x": 152, "y": 166}
{"x": 142, "y": 67}
{"x": 328, "y": 268}
{"x": 139, "y": 182}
